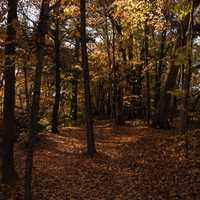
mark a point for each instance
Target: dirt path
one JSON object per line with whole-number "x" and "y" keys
{"x": 131, "y": 164}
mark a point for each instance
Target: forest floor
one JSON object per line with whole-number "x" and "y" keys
{"x": 132, "y": 163}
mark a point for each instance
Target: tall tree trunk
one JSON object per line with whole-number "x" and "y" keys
{"x": 160, "y": 65}
{"x": 169, "y": 85}
{"x": 40, "y": 48}
{"x": 75, "y": 74}
{"x": 8, "y": 169}
{"x": 120, "y": 118}
{"x": 88, "y": 108}
{"x": 158, "y": 74}
{"x": 186, "y": 79}
{"x": 114, "y": 77}
{"x": 58, "y": 79}
{"x": 147, "y": 84}
{"x": 109, "y": 56}
{"x": 170, "y": 82}
{"x": 187, "y": 75}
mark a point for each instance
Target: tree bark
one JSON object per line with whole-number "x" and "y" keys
{"x": 114, "y": 77}
{"x": 75, "y": 74}
{"x": 109, "y": 56}
{"x": 88, "y": 109}
{"x": 55, "y": 117}
{"x": 147, "y": 84}
{"x": 162, "y": 120}
{"x": 9, "y": 133}
{"x": 187, "y": 75}
{"x": 158, "y": 74}
{"x": 186, "y": 80}
{"x": 169, "y": 85}
{"x": 42, "y": 30}
{"x": 170, "y": 82}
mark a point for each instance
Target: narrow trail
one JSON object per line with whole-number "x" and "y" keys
{"x": 132, "y": 163}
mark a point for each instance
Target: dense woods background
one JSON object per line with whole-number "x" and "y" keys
{"x": 108, "y": 68}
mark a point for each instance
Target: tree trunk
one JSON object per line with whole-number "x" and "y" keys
{"x": 162, "y": 120}
{"x": 114, "y": 77}
{"x": 158, "y": 73}
{"x": 8, "y": 169}
{"x": 88, "y": 109}
{"x": 120, "y": 115}
{"x": 40, "y": 48}
{"x": 187, "y": 75}
{"x": 109, "y": 57}
{"x": 26, "y": 89}
{"x": 160, "y": 66}
{"x": 147, "y": 84}
{"x": 74, "y": 101}
{"x": 75, "y": 74}
{"x": 169, "y": 85}
{"x": 58, "y": 80}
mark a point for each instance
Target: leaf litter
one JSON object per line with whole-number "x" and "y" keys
{"x": 132, "y": 163}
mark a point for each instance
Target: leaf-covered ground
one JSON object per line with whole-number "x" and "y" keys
{"x": 132, "y": 163}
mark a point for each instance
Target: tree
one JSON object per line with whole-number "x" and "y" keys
{"x": 183, "y": 15}
{"x": 187, "y": 72}
{"x": 147, "y": 78}
{"x": 9, "y": 133}
{"x": 42, "y": 30}
{"x": 88, "y": 109}
{"x": 57, "y": 72}
{"x": 74, "y": 81}
{"x": 186, "y": 78}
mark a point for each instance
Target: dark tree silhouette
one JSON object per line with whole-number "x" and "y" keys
{"x": 9, "y": 133}
{"x": 88, "y": 109}
{"x": 55, "y": 116}
{"x": 42, "y": 30}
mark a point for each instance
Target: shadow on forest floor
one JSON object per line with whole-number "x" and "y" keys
{"x": 132, "y": 163}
